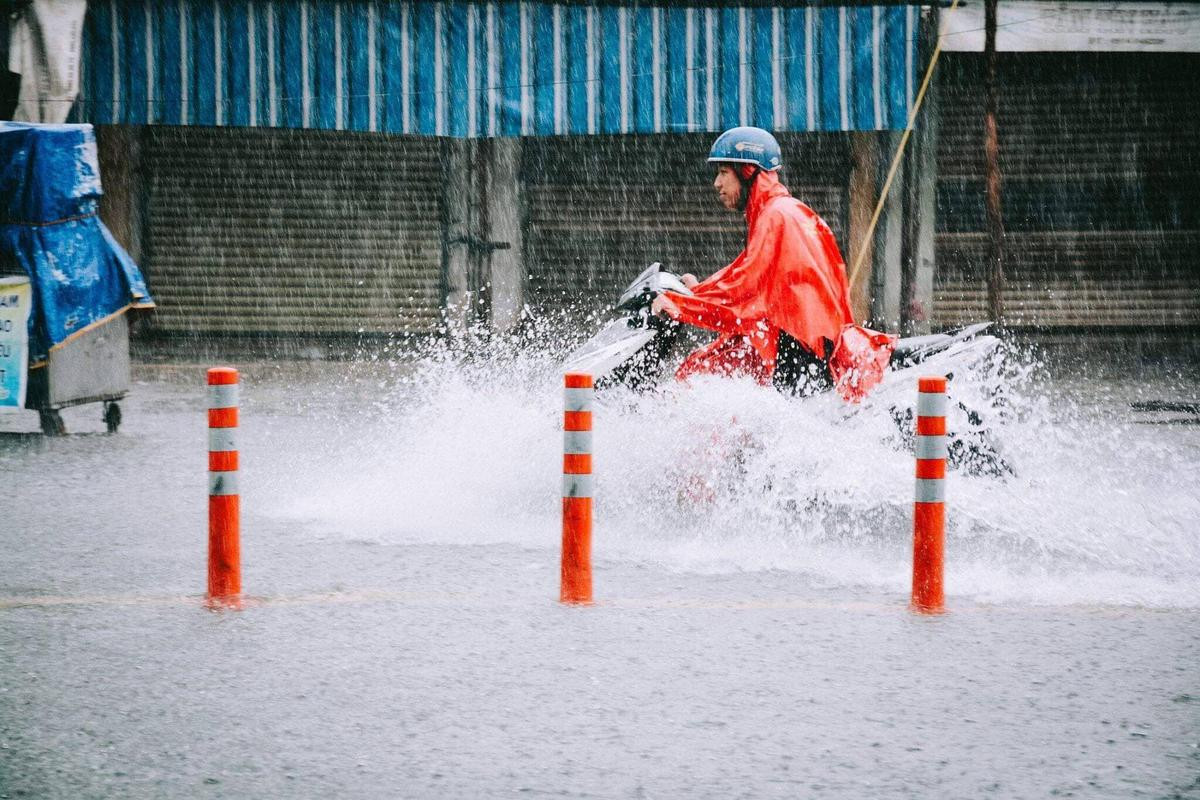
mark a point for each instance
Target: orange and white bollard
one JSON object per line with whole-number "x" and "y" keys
{"x": 224, "y": 546}
{"x": 929, "y": 510}
{"x": 576, "y": 584}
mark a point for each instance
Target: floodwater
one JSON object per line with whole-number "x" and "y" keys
{"x": 750, "y": 638}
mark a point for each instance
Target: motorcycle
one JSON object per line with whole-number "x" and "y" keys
{"x": 635, "y": 347}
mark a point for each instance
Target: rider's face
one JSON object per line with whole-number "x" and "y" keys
{"x": 728, "y": 187}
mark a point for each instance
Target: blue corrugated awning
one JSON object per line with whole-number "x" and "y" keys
{"x": 497, "y": 68}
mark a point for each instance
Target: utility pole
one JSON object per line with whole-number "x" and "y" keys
{"x": 991, "y": 148}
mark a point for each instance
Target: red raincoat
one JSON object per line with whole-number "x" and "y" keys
{"x": 790, "y": 277}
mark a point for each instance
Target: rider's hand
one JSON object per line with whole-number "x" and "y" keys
{"x": 662, "y": 304}
{"x": 688, "y": 280}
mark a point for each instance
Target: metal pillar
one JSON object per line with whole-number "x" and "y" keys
{"x": 864, "y": 191}
{"x": 122, "y": 206}
{"x": 917, "y": 309}
{"x": 484, "y": 261}
{"x": 460, "y": 212}
{"x": 991, "y": 148}
{"x": 886, "y": 274}
{"x": 506, "y": 249}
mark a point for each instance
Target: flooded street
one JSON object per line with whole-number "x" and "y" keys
{"x": 402, "y": 637}
{"x": 522, "y": 304}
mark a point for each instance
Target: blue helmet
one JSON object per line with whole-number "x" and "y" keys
{"x": 747, "y": 146}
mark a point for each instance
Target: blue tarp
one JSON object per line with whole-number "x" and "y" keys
{"x": 50, "y": 230}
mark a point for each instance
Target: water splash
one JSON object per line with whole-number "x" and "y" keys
{"x": 463, "y": 448}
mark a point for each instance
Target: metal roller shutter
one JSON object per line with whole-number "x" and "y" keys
{"x": 292, "y": 232}
{"x": 1100, "y": 157}
{"x": 600, "y": 209}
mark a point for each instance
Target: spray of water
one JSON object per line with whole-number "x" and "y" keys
{"x": 1067, "y": 504}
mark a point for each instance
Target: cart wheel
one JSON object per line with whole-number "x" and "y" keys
{"x": 52, "y": 422}
{"x": 112, "y": 416}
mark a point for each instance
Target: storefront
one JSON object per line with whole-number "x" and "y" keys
{"x": 600, "y": 209}
{"x": 312, "y": 167}
{"x": 1100, "y": 161}
{"x": 291, "y": 231}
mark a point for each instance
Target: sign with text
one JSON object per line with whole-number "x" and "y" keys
{"x": 15, "y": 299}
{"x": 1041, "y": 25}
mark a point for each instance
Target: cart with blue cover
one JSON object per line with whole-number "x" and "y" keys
{"x": 81, "y": 281}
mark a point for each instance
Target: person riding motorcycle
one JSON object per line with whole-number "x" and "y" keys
{"x": 781, "y": 309}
